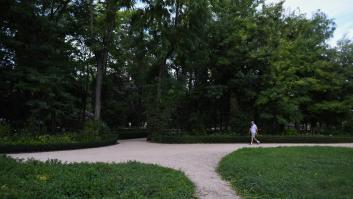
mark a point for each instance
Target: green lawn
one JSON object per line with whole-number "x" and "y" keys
{"x": 52, "y": 179}
{"x": 290, "y": 172}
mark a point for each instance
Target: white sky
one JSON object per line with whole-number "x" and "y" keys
{"x": 339, "y": 10}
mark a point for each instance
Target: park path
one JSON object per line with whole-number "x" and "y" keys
{"x": 197, "y": 161}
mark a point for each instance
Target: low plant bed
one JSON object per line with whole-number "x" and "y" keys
{"x": 53, "y": 179}
{"x": 33, "y": 143}
{"x": 132, "y": 133}
{"x": 290, "y": 172}
{"x": 245, "y": 139}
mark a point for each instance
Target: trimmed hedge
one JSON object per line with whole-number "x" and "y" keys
{"x": 246, "y": 139}
{"x": 132, "y": 133}
{"x": 21, "y": 148}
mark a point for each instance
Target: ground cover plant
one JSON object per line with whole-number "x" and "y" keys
{"x": 53, "y": 179}
{"x": 31, "y": 143}
{"x": 93, "y": 134}
{"x": 290, "y": 172}
{"x": 48, "y": 139}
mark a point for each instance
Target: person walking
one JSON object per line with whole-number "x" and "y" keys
{"x": 253, "y": 131}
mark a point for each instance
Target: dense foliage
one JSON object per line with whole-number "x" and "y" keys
{"x": 132, "y": 133}
{"x": 293, "y": 172}
{"x": 180, "y": 64}
{"x": 48, "y": 142}
{"x": 53, "y": 179}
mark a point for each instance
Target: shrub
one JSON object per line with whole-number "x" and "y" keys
{"x": 291, "y": 131}
{"x": 246, "y": 139}
{"x": 132, "y": 133}
{"x": 35, "y": 126}
{"x": 5, "y": 129}
{"x": 95, "y": 127}
{"x": 54, "y": 142}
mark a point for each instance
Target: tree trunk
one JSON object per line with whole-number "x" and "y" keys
{"x": 190, "y": 82}
{"x": 99, "y": 79}
{"x": 102, "y": 54}
{"x": 160, "y": 79}
{"x": 53, "y": 122}
{"x": 233, "y": 110}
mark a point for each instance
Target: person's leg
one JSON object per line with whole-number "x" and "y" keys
{"x": 257, "y": 141}
{"x": 252, "y": 138}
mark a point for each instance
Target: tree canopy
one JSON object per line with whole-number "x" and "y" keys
{"x": 173, "y": 64}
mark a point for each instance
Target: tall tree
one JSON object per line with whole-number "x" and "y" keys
{"x": 101, "y": 49}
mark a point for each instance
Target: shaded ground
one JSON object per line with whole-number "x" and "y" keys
{"x": 198, "y": 161}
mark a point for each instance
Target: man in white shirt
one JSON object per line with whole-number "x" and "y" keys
{"x": 253, "y": 132}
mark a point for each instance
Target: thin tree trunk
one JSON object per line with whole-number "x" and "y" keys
{"x": 159, "y": 86}
{"x": 101, "y": 64}
{"x": 86, "y": 92}
{"x": 190, "y": 82}
{"x": 233, "y": 109}
{"x": 53, "y": 122}
{"x": 99, "y": 79}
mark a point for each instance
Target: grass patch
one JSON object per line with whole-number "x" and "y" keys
{"x": 55, "y": 180}
{"x": 290, "y": 172}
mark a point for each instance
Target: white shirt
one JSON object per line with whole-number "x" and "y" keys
{"x": 253, "y": 128}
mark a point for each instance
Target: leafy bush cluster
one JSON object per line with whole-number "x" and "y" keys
{"x": 48, "y": 139}
{"x": 53, "y": 179}
{"x": 95, "y": 127}
{"x": 5, "y": 129}
{"x": 290, "y": 172}
{"x": 219, "y": 138}
{"x": 31, "y": 143}
{"x": 132, "y": 133}
{"x": 94, "y": 133}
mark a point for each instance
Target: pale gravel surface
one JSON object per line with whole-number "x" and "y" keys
{"x": 197, "y": 161}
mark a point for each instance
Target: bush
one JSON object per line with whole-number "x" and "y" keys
{"x": 66, "y": 141}
{"x": 5, "y": 129}
{"x": 53, "y": 179}
{"x": 348, "y": 125}
{"x": 35, "y": 125}
{"x": 95, "y": 127}
{"x": 246, "y": 139}
{"x": 291, "y": 131}
{"x": 132, "y": 133}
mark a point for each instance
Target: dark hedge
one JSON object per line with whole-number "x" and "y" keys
{"x": 246, "y": 139}
{"x": 132, "y": 133}
{"x": 19, "y": 148}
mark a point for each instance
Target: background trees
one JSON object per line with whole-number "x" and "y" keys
{"x": 194, "y": 65}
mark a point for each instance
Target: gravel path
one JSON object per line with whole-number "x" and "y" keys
{"x": 197, "y": 161}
